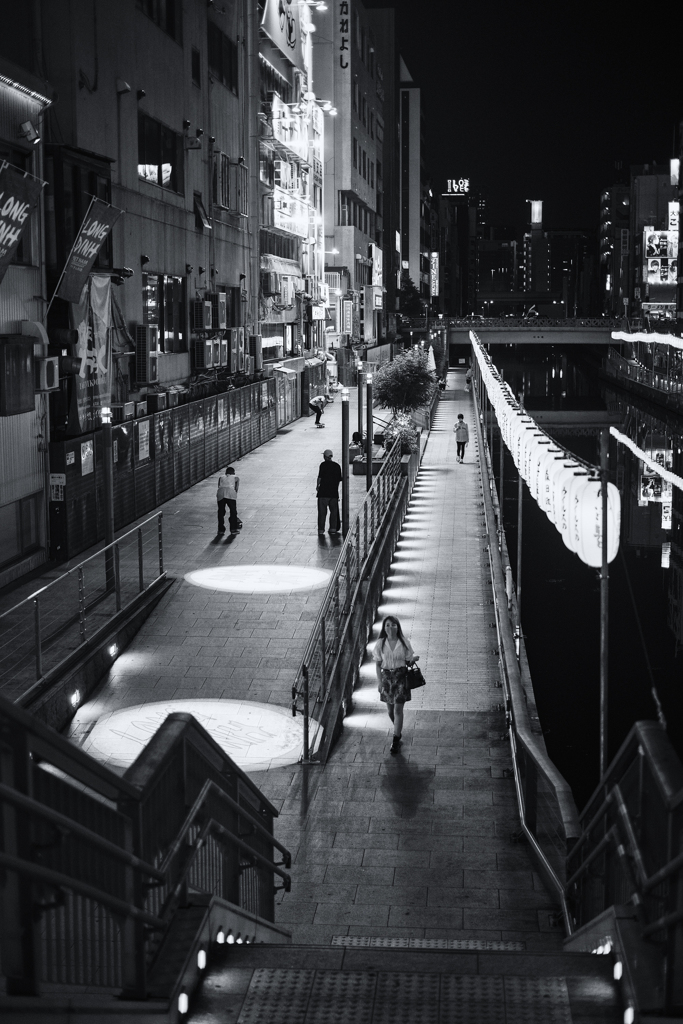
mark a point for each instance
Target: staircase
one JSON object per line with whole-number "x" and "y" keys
{"x": 361, "y": 980}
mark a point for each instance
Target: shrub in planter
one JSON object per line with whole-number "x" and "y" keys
{"x": 407, "y": 434}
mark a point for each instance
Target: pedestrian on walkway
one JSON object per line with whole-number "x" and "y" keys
{"x": 392, "y": 655}
{"x": 317, "y": 405}
{"x": 327, "y": 490}
{"x": 228, "y": 486}
{"x": 462, "y": 437}
{"x": 468, "y": 379}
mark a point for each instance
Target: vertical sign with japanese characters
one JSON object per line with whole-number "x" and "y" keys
{"x": 344, "y": 33}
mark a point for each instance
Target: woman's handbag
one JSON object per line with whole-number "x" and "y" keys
{"x": 415, "y": 677}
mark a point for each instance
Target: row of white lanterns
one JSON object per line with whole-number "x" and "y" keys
{"x": 569, "y": 492}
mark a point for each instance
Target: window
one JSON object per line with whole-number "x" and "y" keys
{"x": 355, "y": 96}
{"x": 223, "y": 63}
{"x": 221, "y": 195}
{"x": 355, "y": 154}
{"x": 163, "y": 304}
{"x": 196, "y": 67}
{"x": 160, "y": 154}
{"x": 372, "y": 175}
{"x": 164, "y": 13}
{"x": 372, "y": 124}
{"x": 365, "y": 169}
{"x": 364, "y": 111}
{"x": 239, "y": 197}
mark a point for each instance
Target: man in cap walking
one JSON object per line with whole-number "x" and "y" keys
{"x": 327, "y": 490}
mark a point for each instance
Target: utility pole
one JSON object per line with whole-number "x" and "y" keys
{"x": 369, "y": 427}
{"x": 345, "y": 461}
{"x": 604, "y": 601}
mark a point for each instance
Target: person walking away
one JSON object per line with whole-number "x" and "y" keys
{"x": 462, "y": 437}
{"x": 392, "y": 655}
{"x": 327, "y": 490}
{"x": 468, "y": 379}
{"x": 228, "y": 486}
{"x": 317, "y": 405}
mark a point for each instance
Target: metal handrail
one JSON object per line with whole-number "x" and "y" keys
{"x": 518, "y": 717}
{"x": 77, "y": 568}
{"x": 61, "y": 881}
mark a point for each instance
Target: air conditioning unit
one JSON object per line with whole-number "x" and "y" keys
{"x": 224, "y": 352}
{"x": 203, "y": 354}
{"x": 256, "y": 351}
{"x": 201, "y": 315}
{"x": 47, "y": 373}
{"x": 219, "y": 308}
{"x": 146, "y": 353}
{"x": 121, "y": 411}
{"x": 270, "y": 283}
{"x": 141, "y": 409}
{"x": 216, "y": 358}
{"x": 156, "y": 401}
{"x": 234, "y": 351}
{"x": 249, "y": 365}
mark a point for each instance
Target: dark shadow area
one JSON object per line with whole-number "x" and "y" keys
{"x": 406, "y": 784}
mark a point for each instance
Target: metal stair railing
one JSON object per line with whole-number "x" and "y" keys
{"x": 94, "y": 865}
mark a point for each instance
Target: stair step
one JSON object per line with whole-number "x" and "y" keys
{"x": 173, "y": 952}
{"x": 381, "y": 985}
{"x": 396, "y": 943}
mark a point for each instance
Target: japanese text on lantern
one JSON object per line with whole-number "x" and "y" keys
{"x": 344, "y": 34}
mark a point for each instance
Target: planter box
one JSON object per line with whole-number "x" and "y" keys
{"x": 408, "y": 461}
{"x": 359, "y": 466}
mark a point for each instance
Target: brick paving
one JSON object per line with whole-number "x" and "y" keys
{"x": 421, "y": 845}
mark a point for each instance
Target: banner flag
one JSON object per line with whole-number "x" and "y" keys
{"x": 19, "y": 195}
{"x": 96, "y": 227}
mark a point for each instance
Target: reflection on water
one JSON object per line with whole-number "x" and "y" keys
{"x": 560, "y": 614}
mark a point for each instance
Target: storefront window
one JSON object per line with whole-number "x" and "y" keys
{"x": 163, "y": 304}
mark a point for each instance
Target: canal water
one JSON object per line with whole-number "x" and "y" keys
{"x": 563, "y": 390}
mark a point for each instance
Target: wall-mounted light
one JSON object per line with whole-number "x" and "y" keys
{"x": 144, "y": 260}
{"x": 113, "y": 648}
{"x": 188, "y": 268}
{"x": 201, "y": 270}
{"x": 183, "y": 1003}
{"x": 30, "y": 132}
{"x": 220, "y": 936}
{"x": 141, "y": 94}
{"x": 75, "y": 698}
{"x": 201, "y": 959}
{"x": 212, "y": 140}
{"x": 199, "y": 132}
{"x": 121, "y": 86}
{"x": 186, "y": 124}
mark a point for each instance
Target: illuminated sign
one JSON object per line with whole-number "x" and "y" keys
{"x": 660, "y": 249}
{"x": 282, "y": 24}
{"x": 536, "y": 211}
{"x": 674, "y": 208}
{"x": 398, "y": 242}
{"x": 347, "y": 316}
{"x": 433, "y": 274}
{"x": 290, "y": 214}
{"x": 457, "y": 186}
{"x": 344, "y": 31}
{"x": 376, "y": 255}
{"x": 652, "y": 486}
{"x": 290, "y": 129}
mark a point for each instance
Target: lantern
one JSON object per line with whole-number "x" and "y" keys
{"x": 589, "y": 523}
{"x": 572, "y": 496}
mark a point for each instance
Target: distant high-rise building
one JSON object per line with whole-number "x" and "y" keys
{"x": 615, "y": 249}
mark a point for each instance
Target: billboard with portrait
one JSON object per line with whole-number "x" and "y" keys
{"x": 660, "y": 249}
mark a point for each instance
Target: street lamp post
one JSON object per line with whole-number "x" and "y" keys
{"x": 108, "y": 496}
{"x": 368, "y": 422}
{"x": 360, "y": 399}
{"x": 345, "y": 461}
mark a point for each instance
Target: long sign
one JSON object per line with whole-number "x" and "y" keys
{"x": 91, "y": 318}
{"x": 282, "y": 24}
{"x": 95, "y": 229}
{"x": 19, "y": 194}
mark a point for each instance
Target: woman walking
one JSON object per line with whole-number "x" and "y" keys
{"x": 392, "y": 655}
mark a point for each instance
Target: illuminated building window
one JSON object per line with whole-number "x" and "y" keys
{"x": 160, "y": 154}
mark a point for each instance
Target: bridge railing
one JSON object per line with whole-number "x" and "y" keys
{"x": 619, "y": 367}
{"x": 511, "y": 323}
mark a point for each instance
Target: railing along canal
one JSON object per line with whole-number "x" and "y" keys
{"x": 619, "y": 367}
{"x": 38, "y": 634}
{"x": 95, "y": 866}
{"x": 323, "y": 673}
{"x": 546, "y": 806}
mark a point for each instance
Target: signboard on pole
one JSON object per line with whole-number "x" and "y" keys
{"x": 19, "y": 194}
{"x": 434, "y": 274}
{"x": 282, "y": 24}
{"x": 92, "y": 320}
{"x": 347, "y": 316}
{"x": 96, "y": 227}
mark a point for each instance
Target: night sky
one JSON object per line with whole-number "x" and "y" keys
{"x": 538, "y": 100}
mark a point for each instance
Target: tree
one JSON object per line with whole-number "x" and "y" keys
{"x": 409, "y": 301}
{"x": 404, "y": 384}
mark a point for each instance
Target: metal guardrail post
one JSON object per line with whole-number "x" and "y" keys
{"x": 161, "y": 545}
{"x": 323, "y": 657}
{"x": 81, "y": 605}
{"x": 39, "y": 649}
{"x": 365, "y": 531}
{"x": 306, "y": 751}
{"x": 117, "y": 577}
{"x": 337, "y": 622}
{"x": 141, "y": 571}
{"x": 347, "y": 595}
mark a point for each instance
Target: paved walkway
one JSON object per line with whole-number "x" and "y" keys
{"x": 420, "y": 846}
{"x": 207, "y": 644}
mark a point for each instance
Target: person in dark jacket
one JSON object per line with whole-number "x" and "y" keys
{"x": 462, "y": 437}
{"x": 327, "y": 490}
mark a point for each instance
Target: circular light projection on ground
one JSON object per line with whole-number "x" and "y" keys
{"x": 256, "y": 736}
{"x": 259, "y": 579}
